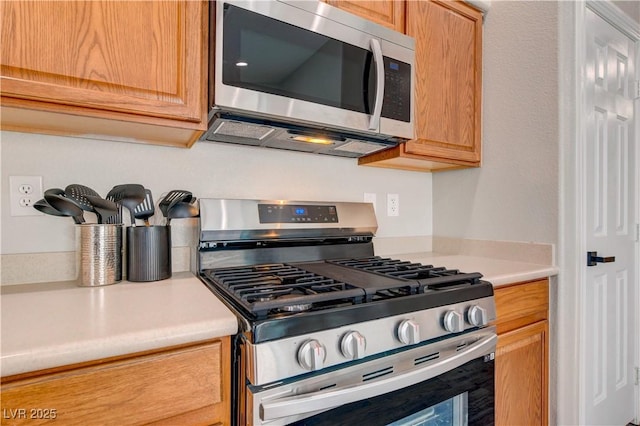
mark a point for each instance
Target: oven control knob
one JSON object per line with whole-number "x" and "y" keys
{"x": 353, "y": 345}
{"x": 409, "y": 332}
{"x": 477, "y": 316}
{"x": 311, "y": 355}
{"x": 453, "y": 322}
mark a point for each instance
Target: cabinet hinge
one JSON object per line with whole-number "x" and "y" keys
{"x": 636, "y": 89}
{"x": 637, "y": 376}
{"x": 637, "y": 231}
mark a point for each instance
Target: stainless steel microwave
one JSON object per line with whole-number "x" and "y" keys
{"x": 306, "y": 76}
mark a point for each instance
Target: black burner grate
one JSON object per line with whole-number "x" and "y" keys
{"x": 281, "y": 289}
{"x": 264, "y": 290}
{"x": 428, "y": 276}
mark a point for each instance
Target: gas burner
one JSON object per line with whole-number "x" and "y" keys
{"x": 262, "y": 296}
{"x": 296, "y": 307}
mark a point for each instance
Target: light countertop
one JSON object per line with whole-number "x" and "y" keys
{"x": 50, "y": 325}
{"x": 56, "y": 324}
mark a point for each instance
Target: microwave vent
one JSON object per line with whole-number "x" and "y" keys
{"x": 360, "y": 148}
{"x": 243, "y": 130}
{"x": 262, "y": 132}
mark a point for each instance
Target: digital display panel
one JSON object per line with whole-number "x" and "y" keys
{"x": 290, "y": 213}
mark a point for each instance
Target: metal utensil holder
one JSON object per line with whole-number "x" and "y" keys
{"x": 98, "y": 254}
{"x": 148, "y": 253}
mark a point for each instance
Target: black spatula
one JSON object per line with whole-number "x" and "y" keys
{"x": 111, "y": 196}
{"x": 128, "y": 195}
{"x": 145, "y": 209}
{"x": 173, "y": 197}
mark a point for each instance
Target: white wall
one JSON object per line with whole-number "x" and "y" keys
{"x": 208, "y": 170}
{"x": 513, "y": 197}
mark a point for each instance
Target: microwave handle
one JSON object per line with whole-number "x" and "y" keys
{"x": 323, "y": 400}
{"x": 374, "y": 122}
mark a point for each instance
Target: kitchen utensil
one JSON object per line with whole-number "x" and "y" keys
{"x": 182, "y": 210}
{"x": 54, "y": 191}
{"x": 173, "y": 197}
{"x": 145, "y": 209}
{"x": 78, "y": 193}
{"x": 129, "y": 196}
{"x": 65, "y": 206}
{"x": 104, "y": 209}
{"x": 112, "y": 196}
{"x": 44, "y": 207}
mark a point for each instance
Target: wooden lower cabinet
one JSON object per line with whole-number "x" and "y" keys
{"x": 184, "y": 385}
{"x": 522, "y": 354}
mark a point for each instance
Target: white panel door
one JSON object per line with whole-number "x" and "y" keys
{"x": 609, "y": 328}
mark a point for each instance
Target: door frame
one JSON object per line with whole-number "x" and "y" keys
{"x": 567, "y": 404}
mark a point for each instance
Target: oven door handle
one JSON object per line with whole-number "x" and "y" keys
{"x": 326, "y": 400}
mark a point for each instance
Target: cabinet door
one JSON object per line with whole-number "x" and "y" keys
{"x": 389, "y": 13}
{"x": 141, "y": 61}
{"x": 448, "y": 80}
{"x": 522, "y": 354}
{"x": 521, "y": 376}
{"x": 447, "y": 92}
{"x": 188, "y": 385}
{"x": 521, "y": 304}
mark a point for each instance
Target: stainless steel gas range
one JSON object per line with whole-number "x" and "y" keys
{"x": 332, "y": 334}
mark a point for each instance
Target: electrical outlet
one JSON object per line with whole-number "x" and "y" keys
{"x": 393, "y": 205}
{"x": 24, "y": 192}
{"x": 370, "y": 197}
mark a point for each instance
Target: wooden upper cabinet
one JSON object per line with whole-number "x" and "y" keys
{"x": 448, "y": 82}
{"x": 131, "y": 61}
{"x": 390, "y": 13}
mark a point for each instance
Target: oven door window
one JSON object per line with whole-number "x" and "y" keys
{"x": 453, "y": 411}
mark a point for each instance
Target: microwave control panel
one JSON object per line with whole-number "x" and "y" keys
{"x": 397, "y": 90}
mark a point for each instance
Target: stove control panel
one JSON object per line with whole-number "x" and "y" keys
{"x": 330, "y": 347}
{"x": 297, "y": 213}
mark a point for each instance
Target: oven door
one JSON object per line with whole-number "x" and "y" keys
{"x": 291, "y": 62}
{"x": 449, "y": 382}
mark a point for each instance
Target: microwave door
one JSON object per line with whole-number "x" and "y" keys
{"x": 332, "y": 76}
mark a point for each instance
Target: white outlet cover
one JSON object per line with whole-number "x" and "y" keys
{"x": 22, "y": 203}
{"x": 393, "y": 205}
